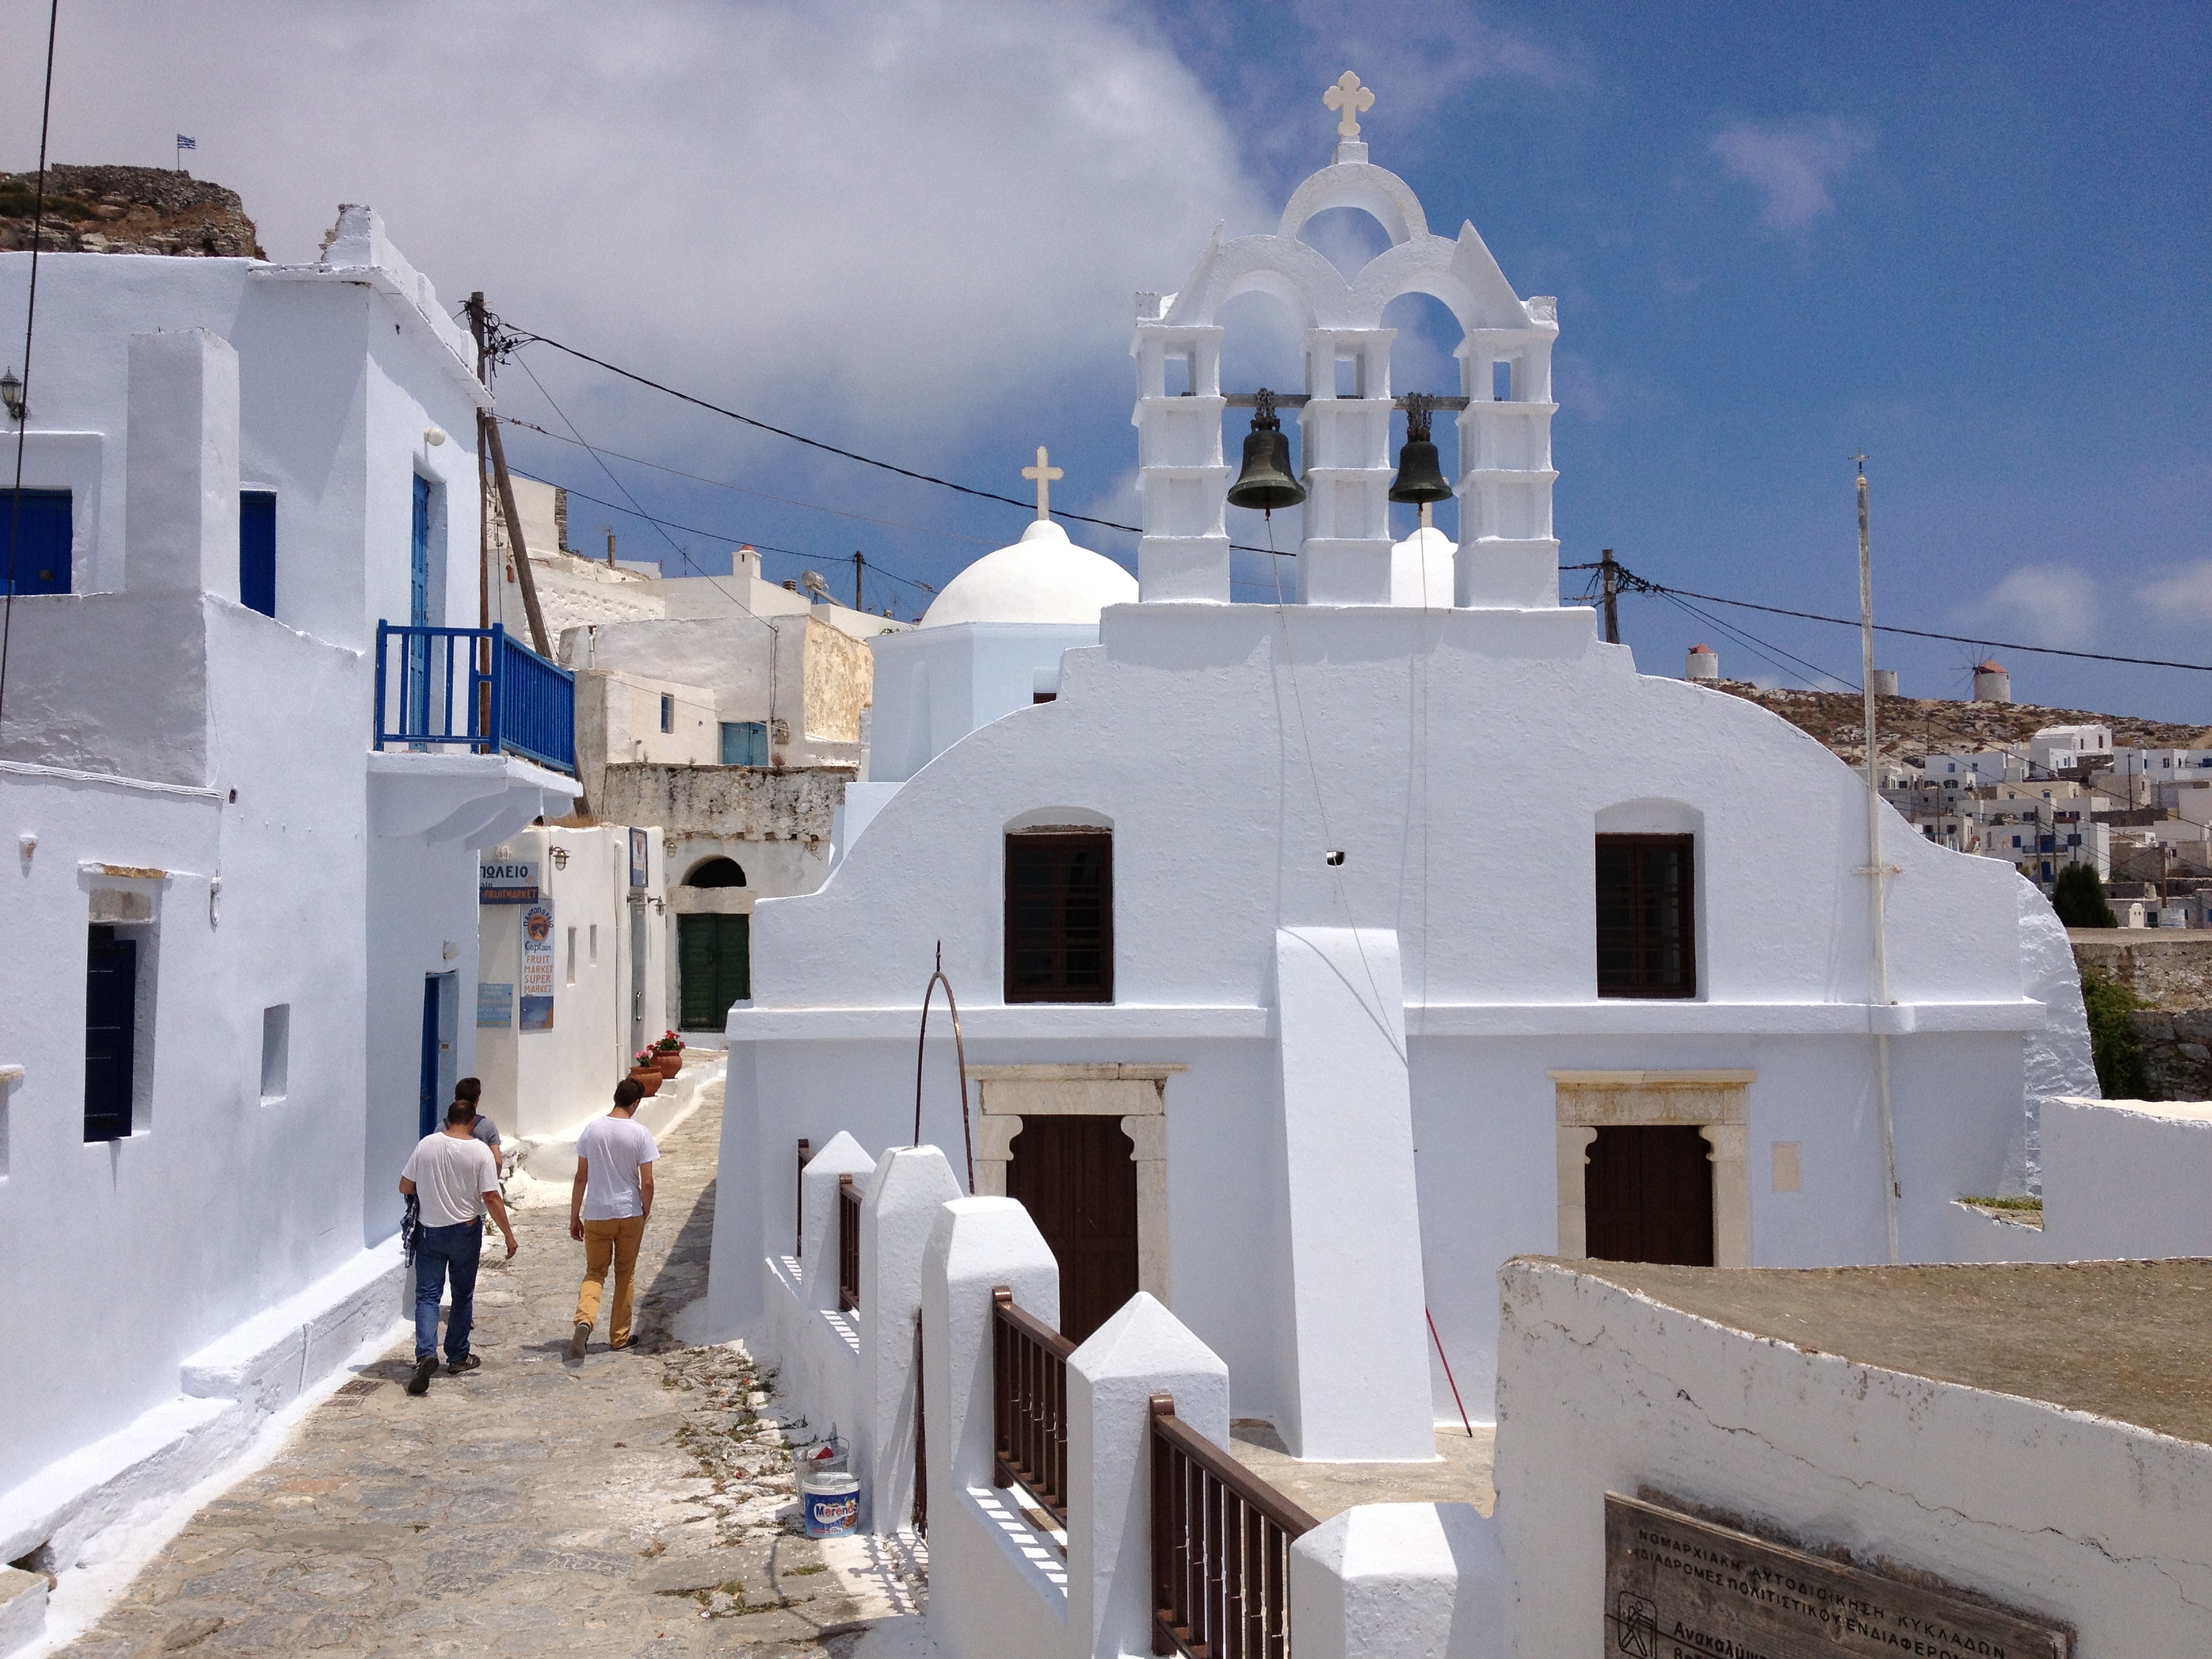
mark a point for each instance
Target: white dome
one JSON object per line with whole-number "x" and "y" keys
{"x": 1043, "y": 578}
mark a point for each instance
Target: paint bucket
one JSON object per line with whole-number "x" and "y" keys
{"x": 831, "y": 1503}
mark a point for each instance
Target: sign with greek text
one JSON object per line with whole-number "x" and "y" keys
{"x": 494, "y": 1004}
{"x": 640, "y": 854}
{"x": 1679, "y": 1587}
{"x": 507, "y": 881}
{"x": 538, "y": 967}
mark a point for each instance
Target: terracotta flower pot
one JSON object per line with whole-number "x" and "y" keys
{"x": 647, "y": 1078}
{"x": 671, "y": 1062}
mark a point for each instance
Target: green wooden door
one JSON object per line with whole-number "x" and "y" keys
{"x": 714, "y": 968}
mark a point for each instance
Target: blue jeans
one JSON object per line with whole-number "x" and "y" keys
{"x": 439, "y": 1251}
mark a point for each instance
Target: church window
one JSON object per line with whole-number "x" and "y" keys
{"x": 1646, "y": 916}
{"x": 1060, "y": 916}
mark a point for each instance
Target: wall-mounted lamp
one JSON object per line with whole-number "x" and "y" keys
{"x": 434, "y": 435}
{"x": 11, "y": 394}
{"x": 560, "y": 857}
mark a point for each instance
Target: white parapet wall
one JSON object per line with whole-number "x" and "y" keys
{"x": 2126, "y": 1178}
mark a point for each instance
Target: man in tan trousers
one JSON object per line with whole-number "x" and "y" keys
{"x": 607, "y": 1209}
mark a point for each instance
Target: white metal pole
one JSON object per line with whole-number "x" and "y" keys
{"x": 1875, "y": 872}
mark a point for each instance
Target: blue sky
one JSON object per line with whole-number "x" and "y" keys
{"x": 1969, "y": 240}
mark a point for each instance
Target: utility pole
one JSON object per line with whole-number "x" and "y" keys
{"x": 484, "y": 477}
{"x": 487, "y": 430}
{"x": 1611, "y": 573}
{"x": 860, "y": 563}
{"x": 1875, "y": 872}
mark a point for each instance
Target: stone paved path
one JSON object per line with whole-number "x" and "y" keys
{"x": 632, "y": 1502}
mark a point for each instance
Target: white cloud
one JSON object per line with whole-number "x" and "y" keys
{"x": 2049, "y": 604}
{"x": 883, "y": 220}
{"x": 2182, "y": 595}
{"x": 1792, "y": 164}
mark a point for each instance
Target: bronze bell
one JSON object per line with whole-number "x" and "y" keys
{"x": 1420, "y": 480}
{"x": 1266, "y": 481}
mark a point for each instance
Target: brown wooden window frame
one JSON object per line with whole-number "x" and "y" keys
{"x": 1031, "y": 843}
{"x": 1641, "y": 982}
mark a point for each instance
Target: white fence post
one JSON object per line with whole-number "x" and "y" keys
{"x": 843, "y": 1156}
{"x": 910, "y": 1186}
{"x": 1142, "y": 1350}
{"x": 1401, "y": 1581}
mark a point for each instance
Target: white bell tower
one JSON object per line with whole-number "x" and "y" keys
{"x": 1507, "y": 556}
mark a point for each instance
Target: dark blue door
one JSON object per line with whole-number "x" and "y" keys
{"x": 428, "y": 1122}
{"x": 111, "y": 1007}
{"x": 257, "y": 550}
{"x": 35, "y": 541}
{"x": 418, "y": 702}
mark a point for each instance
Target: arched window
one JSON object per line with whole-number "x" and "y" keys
{"x": 717, "y": 872}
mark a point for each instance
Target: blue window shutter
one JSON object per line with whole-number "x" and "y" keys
{"x": 34, "y": 540}
{"x": 745, "y": 742}
{"x": 418, "y": 594}
{"x": 257, "y": 550}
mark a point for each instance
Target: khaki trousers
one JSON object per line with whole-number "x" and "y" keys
{"x": 614, "y": 1241}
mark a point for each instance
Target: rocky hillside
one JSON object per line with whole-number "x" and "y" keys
{"x": 127, "y": 210}
{"x": 1910, "y": 727}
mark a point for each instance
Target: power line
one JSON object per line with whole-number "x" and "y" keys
{"x": 1630, "y": 582}
{"x": 30, "y": 316}
{"x": 523, "y": 337}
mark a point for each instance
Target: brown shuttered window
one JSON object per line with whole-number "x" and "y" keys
{"x": 1060, "y": 917}
{"x": 1646, "y": 916}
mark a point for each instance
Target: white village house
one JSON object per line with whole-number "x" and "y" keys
{"x": 1291, "y": 994}
{"x": 241, "y": 931}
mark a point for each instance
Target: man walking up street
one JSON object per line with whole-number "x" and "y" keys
{"x": 607, "y": 1208}
{"x": 451, "y": 1176}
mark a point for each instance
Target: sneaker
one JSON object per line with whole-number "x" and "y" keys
{"x": 425, "y": 1365}
{"x": 576, "y": 1342}
{"x": 466, "y": 1363}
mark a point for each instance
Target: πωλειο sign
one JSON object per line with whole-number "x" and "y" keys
{"x": 507, "y": 881}
{"x": 494, "y": 1004}
{"x": 1679, "y": 1587}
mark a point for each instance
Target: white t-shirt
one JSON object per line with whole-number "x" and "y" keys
{"x": 614, "y": 1147}
{"x": 451, "y": 1176}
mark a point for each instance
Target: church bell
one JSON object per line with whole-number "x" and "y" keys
{"x": 1266, "y": 481}
{"x": 1420, "y": 480}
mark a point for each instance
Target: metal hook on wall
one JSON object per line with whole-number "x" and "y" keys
{"x": 959, "y": 1049}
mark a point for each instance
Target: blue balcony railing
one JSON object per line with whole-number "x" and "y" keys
{"x": 479, "y": 689}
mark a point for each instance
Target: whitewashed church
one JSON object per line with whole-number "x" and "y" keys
{"x": 1292, "y": 992}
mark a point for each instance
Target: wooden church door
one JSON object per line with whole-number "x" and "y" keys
{"x": 1077, "y": 1179}
{"x": 1648, "y": 1196}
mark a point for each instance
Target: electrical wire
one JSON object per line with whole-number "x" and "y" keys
{"x": 523, "y": 337}
{"x": 763, "y": 494}
{"x": 30, "y": 319}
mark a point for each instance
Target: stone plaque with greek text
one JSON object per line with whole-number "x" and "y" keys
{"x": 1679, "y": 1587}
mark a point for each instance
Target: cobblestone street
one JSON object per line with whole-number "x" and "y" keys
{"x": 631, "y": 1502}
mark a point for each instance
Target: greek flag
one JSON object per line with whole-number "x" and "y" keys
{"x": 184, "y": 142}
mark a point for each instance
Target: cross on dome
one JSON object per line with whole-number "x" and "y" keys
{"x": 1043, "y": 472}
{"x": 1349, "y": 96}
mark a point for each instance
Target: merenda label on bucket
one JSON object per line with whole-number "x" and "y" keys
{"x": 831, "y": 1504}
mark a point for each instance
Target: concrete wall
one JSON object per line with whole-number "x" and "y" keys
{"x": 2069, "y": 1517}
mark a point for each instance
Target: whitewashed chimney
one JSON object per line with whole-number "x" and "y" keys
{"x": 180, "y": 523}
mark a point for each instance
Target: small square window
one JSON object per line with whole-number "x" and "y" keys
{"x": 276, "y": 1052}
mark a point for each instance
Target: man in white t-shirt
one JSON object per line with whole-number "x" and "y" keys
{"x": 452, "y": 1177}
{"x": 607, "y": 1208}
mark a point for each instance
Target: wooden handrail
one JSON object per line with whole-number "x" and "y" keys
{"x": 1220, "y": 1548}
{"x": 1029, "y": 1399}
{"x": 849, "y": 1244}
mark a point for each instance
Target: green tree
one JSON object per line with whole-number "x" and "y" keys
{"x": 2113, "y": 1043}
{"x": 2079, "y": 898}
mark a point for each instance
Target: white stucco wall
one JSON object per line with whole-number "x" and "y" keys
{"x": 2068, "y": 1516}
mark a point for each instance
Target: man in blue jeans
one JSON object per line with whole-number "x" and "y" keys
{"x": 451, "y": 1176}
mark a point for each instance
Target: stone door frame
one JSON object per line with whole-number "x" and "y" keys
{"x": 1716, "y": 1103}
{"x": 1134, "y": 1092}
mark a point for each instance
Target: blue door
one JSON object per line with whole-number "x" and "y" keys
{"x": 257, "y": 550}
{"x": 428, "y": 1120}
{"x": 418, "y": 702}
{"x": 35, "y": 541}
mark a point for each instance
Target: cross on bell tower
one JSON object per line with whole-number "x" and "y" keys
{"x": 1043, "y": 473}
{"x": 1349, "y": 99}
